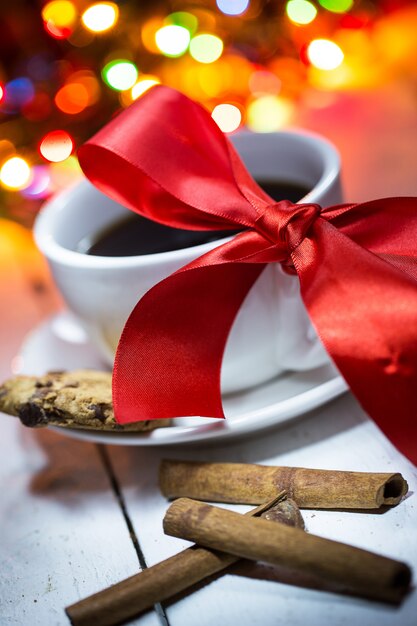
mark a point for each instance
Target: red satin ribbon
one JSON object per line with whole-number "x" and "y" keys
{"x": 165, "y": 158}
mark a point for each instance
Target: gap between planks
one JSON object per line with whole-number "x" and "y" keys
{"x": 108, "y": 468}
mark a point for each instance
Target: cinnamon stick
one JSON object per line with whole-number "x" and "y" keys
{"x": 168, "y": 578}
{"x": 362, "y": 573}
{"x": 251, "y": 484}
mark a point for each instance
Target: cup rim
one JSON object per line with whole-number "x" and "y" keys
{"x": 63, "y": 256}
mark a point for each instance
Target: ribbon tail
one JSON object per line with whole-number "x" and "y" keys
{"x": 169, "y": 356}
{"x": 365, "y": 312}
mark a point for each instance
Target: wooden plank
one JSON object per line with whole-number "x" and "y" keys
{"x": 338, "y": 436}
{"x": 63, "y": 533}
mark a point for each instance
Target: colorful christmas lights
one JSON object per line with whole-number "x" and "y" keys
{"x": 324, "y": 54}
{"x": 301, "y": 11}
{"x": 206, "y": 48}
{"x": 227, "y": 117}
{"x": 250, "y": 63}
{"x": 232, "y": 7}
{"x": 62, "y": 13}
{"x": 72, "y": 98}
{"x": 337, "y": 6}
{"x": 100, "y": 17}
{"x": 172, "y": 40}
{"x": 18, "y": 92}
{"x": 15, "y": 173}
{"x": 59, "y": 17}
{"x": 56, "y": 146}
{"x": 120, "y": 74}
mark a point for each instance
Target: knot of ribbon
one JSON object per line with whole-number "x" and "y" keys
{"x": 165, "y": 158}
{"x": 286, "y": 224}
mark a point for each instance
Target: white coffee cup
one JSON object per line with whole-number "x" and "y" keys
{"x": 272, "y": 331}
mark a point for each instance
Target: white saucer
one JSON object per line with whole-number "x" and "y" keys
{"x": 60, "y": 343}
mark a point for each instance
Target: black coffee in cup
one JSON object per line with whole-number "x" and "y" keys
{"x": 137, "y": 235}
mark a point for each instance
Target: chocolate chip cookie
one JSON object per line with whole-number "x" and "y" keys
{"x": 78, "y": 399}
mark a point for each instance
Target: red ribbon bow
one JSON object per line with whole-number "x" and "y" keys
{"x": 166, "y": 159}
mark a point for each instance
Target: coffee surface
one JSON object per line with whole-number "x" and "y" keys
{"x": 137, "y": 235}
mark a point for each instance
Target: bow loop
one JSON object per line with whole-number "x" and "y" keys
{"x": 286, "y": 224}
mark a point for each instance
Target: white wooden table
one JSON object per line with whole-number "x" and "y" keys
{"x": 77, "y": 517}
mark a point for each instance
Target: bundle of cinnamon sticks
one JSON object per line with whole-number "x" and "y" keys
{"x": 278, "y": 537}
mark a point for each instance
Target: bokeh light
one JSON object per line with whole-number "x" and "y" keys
{"x": 232, "y": 7}
{"x": 301, "y": 11}
{"x": 251, "y": 63}
{"x": 269, "y": 113}
{"x": 61, "y": 12}
{"x": 227, "y": 117}
{"x": 57, "y": 33}
{"x": 72, "y": 98}
{"x": 206, "y": 48}
{"x": 40, "y": 183}
{"x": 144, "y": 83}
{"x": 19, "y": 92}
{"x": 15, "y": 173}
{"x": 324, "y": 54}
{"x": 120, "y": 74}
{"x": 172, "y": 40}
{"x": 59, "y": 17}
{"x": 337, "y": 6}
{"x": 87, "y": 79}
{"x": 100, "y": 17}
{"x": 56, "y": 146}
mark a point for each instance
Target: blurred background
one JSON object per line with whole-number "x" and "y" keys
{"x": 67, "y": 66}
{"x": 344, "y": 68}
